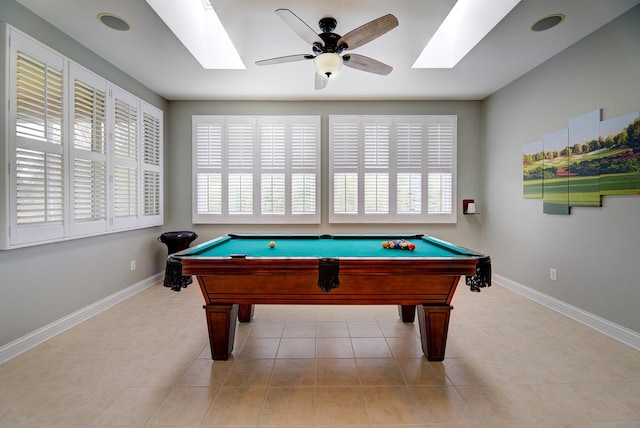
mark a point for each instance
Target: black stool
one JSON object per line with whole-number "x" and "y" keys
{"x": 176, "y": 241}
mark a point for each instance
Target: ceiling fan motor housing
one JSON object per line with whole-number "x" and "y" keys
{"x": 330, "y": 39}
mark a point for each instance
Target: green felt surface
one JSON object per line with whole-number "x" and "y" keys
{"x": 314, "y": 246}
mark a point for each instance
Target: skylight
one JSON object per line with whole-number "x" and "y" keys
{"x": 468, "y": 22}
{"x": 198, "y": 27}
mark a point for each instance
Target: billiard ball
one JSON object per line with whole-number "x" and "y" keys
{"x": 411, "y": 246}
{"x": 385, "y": 244}
{"x": 272, "y": 244}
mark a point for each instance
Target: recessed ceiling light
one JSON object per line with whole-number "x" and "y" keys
{"x": 114, "y": 22}
{"x": 547, "y": 22}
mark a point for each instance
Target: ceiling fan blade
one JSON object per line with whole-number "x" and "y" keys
{"x": 321, "y": 81}
{"x": 364, "y": 63}
{"x": 369, "y": 31}
{"x": 299, "y": 26}
{"x": 281, "y": 59}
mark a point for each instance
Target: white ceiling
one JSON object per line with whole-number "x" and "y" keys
{"x": 150, "y": 53}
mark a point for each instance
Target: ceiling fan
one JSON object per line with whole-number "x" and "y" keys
{"x": 328, "y": 47}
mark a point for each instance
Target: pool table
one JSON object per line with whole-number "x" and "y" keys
{"x": 236, "y": 272}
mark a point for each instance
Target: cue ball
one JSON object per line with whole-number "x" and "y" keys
{"x": 272, "y": 244}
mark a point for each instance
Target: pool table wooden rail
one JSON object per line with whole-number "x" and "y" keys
{"x": 232, "y": 285}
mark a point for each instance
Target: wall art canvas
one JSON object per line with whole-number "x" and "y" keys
{"x": 555, "y": 189}
{"x": 575, "y": 166}
{"x": 619, "y": 149}
{"x": 584, "y": 181}
{"x": 533, "y": 169}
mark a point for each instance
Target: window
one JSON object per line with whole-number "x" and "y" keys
{"x": 84, "y": 156}
{"x": 262, "y": 169}
{"x": 392, "y": 169}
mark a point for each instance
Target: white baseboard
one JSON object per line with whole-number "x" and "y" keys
{"x": 35, "y": 338}
{"x": 615, "y": 331}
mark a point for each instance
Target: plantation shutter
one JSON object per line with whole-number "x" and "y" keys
{"x": 345, "y": 158}
{"x": 240, "y": 159}
{"x": 151, "y": 164}
{"x": 378, "y": 166}
{"x": 259, "y": 169}
{"x": 441, "y": 132}
{"x": 125, "y": 175}
{"x": 409, "y": 148}
{"x": 208, "y": 137}
{"x": 73, "y": 163}
{"x": 272, "y": 167}
{"x": 305, "y": 158}
{"x": 89, "y": 153}
{"x": 37, "y": 187}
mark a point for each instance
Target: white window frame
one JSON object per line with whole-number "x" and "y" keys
{"x": 348, "y": 157}
{"x": 213, "y": 155}
{"x": 14, "y": 234}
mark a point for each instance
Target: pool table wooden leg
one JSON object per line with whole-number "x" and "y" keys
{"x": 434, "y": 325}
{"x": 407, "y": 312}
{"x": 221, "y": 321}
{"x": 245, "y": 313}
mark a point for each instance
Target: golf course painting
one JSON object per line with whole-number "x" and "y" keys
{"x": 577, "y": 165}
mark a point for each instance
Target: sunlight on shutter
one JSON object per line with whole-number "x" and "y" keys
{"x": 272, "y": 146}
{"x": 376, "y": 193}
{"x": 39, "y": 101}
{"x": 151, "y": 162}
{"x": 209, "y": 193}
{"x": 409, "y": 189}
{"x": 89, "y": 190}
{"x": 272, "y": 158}
{"x": 303, "y": 145}
{"x": 125, "y": 191}
{"x": 272, "y": 194}
{"x": 345, "y": 193}
{"x": 126, "y": 153}
{"x": 89, "y": 163}
{"x": 409, "y": 166}
{"x": 345, "y": 163}
{"x": 345, "y": 145}
{"x": 440, "y": 164}
{"x": 376, "y": 145}
{"x": 151, "y": 189}
{"x": 303, "y": 164}
{"x": 39, "y": 160}
{"x": 376, "y": 158}
{"x": 208, "y": 139}
{"x": 126, "y": 131}
{"x": 240, "y": 145}
{"x": 240, "y": 194}
{"x": 262, "y": 169}
{"x": 303, "y": 189}
{"x": 208, "y": 145}
{"x": 440, "y": 193}
{"x": 39, "y": 187}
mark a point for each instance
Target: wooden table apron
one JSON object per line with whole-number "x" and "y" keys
{"x": 231, "y": 286}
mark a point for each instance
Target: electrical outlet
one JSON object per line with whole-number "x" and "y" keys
{"x": 553, "y": 274}
{"x": 133, "y": 265}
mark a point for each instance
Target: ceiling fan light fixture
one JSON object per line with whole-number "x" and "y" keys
{"x": 328, "y": 64}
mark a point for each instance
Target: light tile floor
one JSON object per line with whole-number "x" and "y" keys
{"x": 146, "y": 363}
